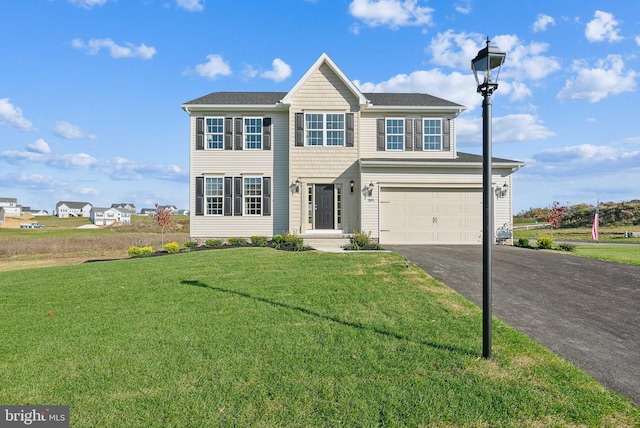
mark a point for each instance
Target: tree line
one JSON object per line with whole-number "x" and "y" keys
{"x": 581, "y": 215}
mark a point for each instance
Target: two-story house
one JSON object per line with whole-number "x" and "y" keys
{"x": 325, "y": 158}
{"x": 109, "y": 216}
{"x": 66, "y": 209}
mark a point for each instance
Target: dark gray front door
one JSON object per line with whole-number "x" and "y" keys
{"x": 324, "y": 206}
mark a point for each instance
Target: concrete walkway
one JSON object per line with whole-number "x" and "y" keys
{"x": 586, "y": 310}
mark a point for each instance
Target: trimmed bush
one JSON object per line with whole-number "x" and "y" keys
{"x": 566, "y": 247}
{"x": 292, "y": 242}
{"x": 135, "y": 251}
{"x": 545, "y": 242}
{"x": 213, "y": 243}
{"x": 190, "y": 245}
{"x": 259, "y": 241}
{"x": 362, "y": 241}
{"x": 523, "y": 242}
{"x": 237, "y": 242}
{"x": 277, "y": 241}
{"x": 172, "y": 247}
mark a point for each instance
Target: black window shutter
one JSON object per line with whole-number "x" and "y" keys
{"x": 266, "y": 196}
{"x": 199, "y": 195}
{"x": 266, "y": 133}
{"x": 446, "y": 135}
{"x": 408, "y": 134}
{"x": 228, "y": 133}
{"x": 380, "y": 135}
{"x": 419, "y": 145}
{"x": 349, "y": 130}
{"x": 299, "y": 129}
{"x": 237, "y": 199}
{"x": 228, "y": 196}
{"x": 199, "y": 133}
{"x": 239, "y": 128}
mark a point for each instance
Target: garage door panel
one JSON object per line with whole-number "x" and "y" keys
{"x": 430, "y": 216}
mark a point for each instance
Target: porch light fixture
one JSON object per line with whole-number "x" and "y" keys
{"x": 370, "y": 189}
{"x": 486, "y": 69}
{"x": 296, "y": 185}
{"x": 351, "y": 184}
{"x": 502, "y": 191}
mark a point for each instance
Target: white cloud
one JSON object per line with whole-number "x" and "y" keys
{"x": 542, "y": 22}
{"x": 524, "y": 61}
{"x": 603, "y": 27}
{"x": 457, "y": 87}
{"x": 71, "y": 132}
{"x": 129, "y": 50}
{"x": 280, "y": 71}
{"x": 587, "y": 159}
{"x": 638, "y": 40}
{"x": 505, "y": 129}
{"x": 11, "y": 115}
{"x": 88, "y": 4}
{"x": 214, "y": 67}
{"x": 249, "y": 72}
{"x": 609, "y": 77}
{"x": 391, "y": 13}
{"x": 39, "y": 146}
{"x": 463, "y": 7}
{"x": 191, "y": 5}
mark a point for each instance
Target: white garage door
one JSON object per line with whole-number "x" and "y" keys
{"x": 430, "y": 216}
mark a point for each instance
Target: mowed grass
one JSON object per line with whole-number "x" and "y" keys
{"x": 258, "y": 337}
{"x": 628, "y": 254}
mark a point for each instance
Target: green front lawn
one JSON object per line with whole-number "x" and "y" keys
{"x": 258, "y": 337}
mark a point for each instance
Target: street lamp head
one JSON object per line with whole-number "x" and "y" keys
{"x": 488, "y": 59}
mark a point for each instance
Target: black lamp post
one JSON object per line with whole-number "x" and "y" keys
{"x": 488, "y": 59}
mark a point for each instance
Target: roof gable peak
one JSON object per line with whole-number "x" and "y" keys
{"x": 325, "y": 59}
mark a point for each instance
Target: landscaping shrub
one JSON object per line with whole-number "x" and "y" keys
{"x": 190, "y": 245}
{"x": 237, "y": 242}
{"x": 545, "y": 242}
{"x": 523, "y": 242}
{"x": 277, "y": 241}
{"x": 566, "y": 247}
{"x": 362, "y": 241}
{"x": 135, "y": 251}
{"x": 213, "y": 243}
{"x": 259, "y": 241}
{"x": 292, "y": 242}
{"x": 172, "y": 247}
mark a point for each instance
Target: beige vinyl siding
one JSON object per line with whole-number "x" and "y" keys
{"x": 503, "y": 208}
{"x": 236, "y": 163}
{"x": 368, "y": 146}
{"x": 324, "y": 92}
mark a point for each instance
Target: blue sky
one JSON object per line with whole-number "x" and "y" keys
{"x": 90, "y": 90}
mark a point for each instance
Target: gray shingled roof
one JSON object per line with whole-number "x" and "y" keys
{"x": 240, "y": 98}
{"x": 397, "y": 99}
{"x": 462, "y": 158}
{"x": 272, "y": 98}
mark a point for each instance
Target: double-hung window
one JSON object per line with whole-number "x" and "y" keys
{"x": 214, "y": 195}
{"x": 253, "y": 133}
{"x": 324, "y": 129}
{"x": 215, "y": 132}
{"x": 395, "y": 134}
{"x": 252, "y": 195}
{"x": 432, "y": 136}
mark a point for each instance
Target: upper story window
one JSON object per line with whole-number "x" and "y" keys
{"x": 253, "y": 133}
{"x": 215, "y": 132}
{"x": 432, "y": 136}
{"x": 214, "y": 195}
{"x": 324, "y": 129}
{"x": 395, "y": 134}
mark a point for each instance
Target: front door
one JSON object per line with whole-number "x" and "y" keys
{"x": 324, "y": 206}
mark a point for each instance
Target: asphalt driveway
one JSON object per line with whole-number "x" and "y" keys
{"x": 586, "y": 310}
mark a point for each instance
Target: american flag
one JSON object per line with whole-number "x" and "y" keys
{"x": 594, "y": 229}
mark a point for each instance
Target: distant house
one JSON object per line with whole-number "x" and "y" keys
{"x": 125, "y": 206}
{"x": 39, "y": 212}
{"x": 109, "y": 216}
{"x": 66, "y": 209}
{"x": 171, "y": 208}
{"x": 11, "y": 207}
{"x": 183, "y": 212}
{"x": 1, "y": 216}
{"x": 147, "y": 211}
